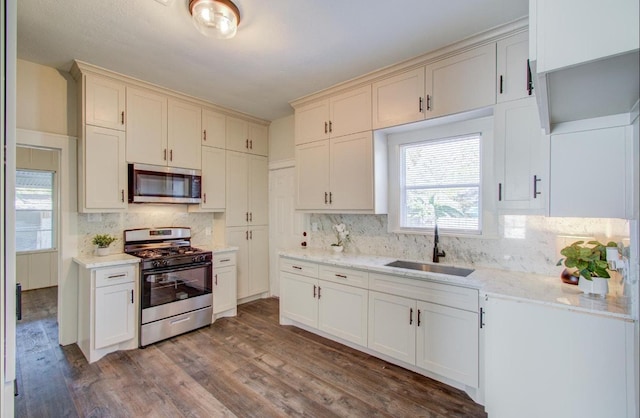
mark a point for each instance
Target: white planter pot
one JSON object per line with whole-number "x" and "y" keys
{"x": 337, "y": 248}
{"x": 595, "y": 286}
{"x": 102, "y": 251}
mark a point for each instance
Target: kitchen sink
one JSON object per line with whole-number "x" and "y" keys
{"x": 432, "y": 268}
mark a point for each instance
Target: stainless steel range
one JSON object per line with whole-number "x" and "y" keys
{"x": 175, "y": 282}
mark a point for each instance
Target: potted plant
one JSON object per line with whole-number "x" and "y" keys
{"x": 589, "y": 262}
{"x": 102, "y": 242}
{"x": 342, "y": 235}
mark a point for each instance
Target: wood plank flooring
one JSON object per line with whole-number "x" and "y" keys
{"x": 248, "y": 366}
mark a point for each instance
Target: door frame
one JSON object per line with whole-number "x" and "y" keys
{"x": 67, "y": 219}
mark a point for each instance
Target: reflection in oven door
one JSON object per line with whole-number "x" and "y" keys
{"x": 171, "y": 285}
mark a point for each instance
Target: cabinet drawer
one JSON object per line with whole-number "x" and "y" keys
{"x": 303, "y": 268}
{"x": 442, "y": 294}
{"x": 115, "y": 275}
{"x": 345, "y": 276}
{"x": 224, "y": 259}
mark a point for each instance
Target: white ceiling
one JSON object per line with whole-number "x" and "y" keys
{"x": 284, "y": 49}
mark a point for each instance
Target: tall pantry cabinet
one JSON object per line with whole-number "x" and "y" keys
{"x": 247, "y": 201}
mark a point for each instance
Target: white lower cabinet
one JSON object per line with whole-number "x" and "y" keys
{"x": 252, "y": 259}
{"x": 334, "y": 308}
{"x": 107, "y": 307}
{"x": 432, "y": 327}
{"x": 543, "y": 361}
{"x": 225, "y": 300}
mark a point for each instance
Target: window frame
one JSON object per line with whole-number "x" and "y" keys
{"x": 54, "y": 211}
{"x": 487, "y": 207}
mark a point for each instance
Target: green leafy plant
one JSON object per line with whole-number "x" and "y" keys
{"x": 103, "y": 240}
{"x": 589, "y": 260}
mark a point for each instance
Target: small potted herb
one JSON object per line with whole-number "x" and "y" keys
{"x": 102, "y": 242}
{"x": 589, "y": 262}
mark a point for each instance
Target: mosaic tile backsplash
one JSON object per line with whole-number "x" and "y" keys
{"x": 524, "y": 243}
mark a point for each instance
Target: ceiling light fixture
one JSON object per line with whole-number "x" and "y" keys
{"x": 215, "y": 18}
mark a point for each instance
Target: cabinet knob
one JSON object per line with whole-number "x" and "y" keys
{"x": 501, "y": 90}
{"x": 122, "y": 117}
{"x": 330, "y": 126}
{"x": 165, "y": 155}
{"x": 428, "y": 102}
{"x": 204, "y": 135}
{"x": 410, "y": 316}
{"x": 535, "y": 186}
{"x": 216, "y": 277}
{"x": 204, "y": 197}
{"x": 326, "y": 128}
{"x": 122, "y": 195}
{"x": 171, "y": 155}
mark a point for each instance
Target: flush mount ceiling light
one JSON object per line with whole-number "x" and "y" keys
{"x": 215, "y": 18}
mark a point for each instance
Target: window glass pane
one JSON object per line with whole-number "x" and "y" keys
{"x": 34, "y": 210}
{"x": 441, "y": 181}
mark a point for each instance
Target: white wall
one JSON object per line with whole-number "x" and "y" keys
{"x": 281, "y": 139}
{"x": 46, "y": 99}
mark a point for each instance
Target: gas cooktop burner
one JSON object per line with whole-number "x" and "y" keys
{"x": 166, "y": 252}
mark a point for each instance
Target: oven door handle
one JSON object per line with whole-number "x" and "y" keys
{"x": 175, "y": 268}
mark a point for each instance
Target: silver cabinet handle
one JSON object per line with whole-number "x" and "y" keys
{"x": 117, "y": 276}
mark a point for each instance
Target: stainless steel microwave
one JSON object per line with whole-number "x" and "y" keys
{"x": 159, "y": 184}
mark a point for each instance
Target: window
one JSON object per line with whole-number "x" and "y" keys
{"x": 34, "y": 210}
{"x": 440, "y": 181}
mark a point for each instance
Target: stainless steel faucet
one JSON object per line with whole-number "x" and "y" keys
{"x": 436, "y": 252}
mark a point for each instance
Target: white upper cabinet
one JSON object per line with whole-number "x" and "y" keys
{"x": 342, "y": 114}
{"x": 521, "y": 157}
{"x": 462, "y": 82}
{"x": 213, "y": 179}
{"x": 337, "y": 174}
{"x": 247, "y": 189}
{"x": 213, "y": 129}
{"x": 565, "y": 32}
{"x": 590, "y": 173}
{"x": 104, "y": 102}
{"x": 249, "y": 137}
{"x": 585, "y": 60}
{"x": 183, "y": 138}
{"x": 399, "y": 99}
{"x": 102, "y": 151}
{"x": 514, "y": 76}
{"x": 146, "y": 127}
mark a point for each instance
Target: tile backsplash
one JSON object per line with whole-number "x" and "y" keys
{"x": 146, "y": 216}
{"x": 524, "y": 243}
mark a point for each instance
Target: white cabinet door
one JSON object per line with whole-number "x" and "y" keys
{"x": 213, "y": 129}
{"x": 447, "y": 341}
{"x": 350, "y": 112}
{"x": 237, "y": 190}
{"x": 463, "y": 82}
{"x": 105, "y": 102}
{"x": 104, "y": 170}
{"x": 298, "y": 298}
{"x": 146, "y": 127}
{"x": 522, "y": 155}
{"x": 312, "y": 122}
{"x": 224, "y": 289}
{"x": 351, "y": 172}
{"x": 566, "y": 33}
{"x": 214, "y": 176}
{"x": 588, "y": 175}
{"x": 399, "y": 99}
{"x": 512, "y": 68}
{"x": 258, "y": 261}
{"x": 114, "y": 314}
{"x": 258, "y": 139}
{"x": 312, "y": 175}
{"x": 239, "y": 237}
{"x": 343, "y": 311}
{"x": 252, "y": 258}
{"x": 391, "y": 326}
{"x": 184, "y": 130}
{"x": 258, "y": 189}
{"x": 249, "y": 137}
{"x": 543, "y": 361}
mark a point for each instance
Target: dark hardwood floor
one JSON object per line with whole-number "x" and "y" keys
{"x": 248, "y": 366}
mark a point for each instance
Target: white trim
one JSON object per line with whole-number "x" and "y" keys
{"x": 67, "y": 241}
{"x": 280, "y": 164}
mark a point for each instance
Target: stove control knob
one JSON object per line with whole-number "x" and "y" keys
{"x": 165, "y": 262}
{"x": 155, "y": 263}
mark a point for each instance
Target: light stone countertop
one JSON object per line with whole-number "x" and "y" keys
{"x": 92, "y": 261}
{"x": 525, "y": 287}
